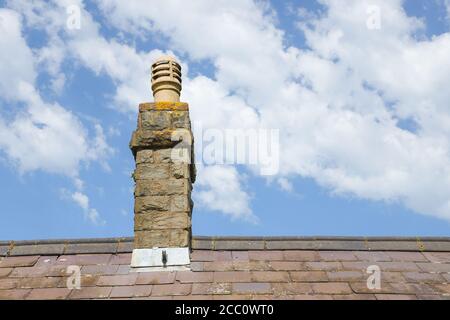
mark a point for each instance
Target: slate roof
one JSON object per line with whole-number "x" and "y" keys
{"x": 232, "y": 268}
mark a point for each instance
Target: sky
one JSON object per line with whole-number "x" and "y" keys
{"x": 357, "y": 94}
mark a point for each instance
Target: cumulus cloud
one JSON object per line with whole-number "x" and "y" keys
{"x": 363, "y": 112}
{"x": 90, "y": 213}
{"x": 219, "y": 188}
{"x": 130, "y": 69}
{"x": 35, "y": 134}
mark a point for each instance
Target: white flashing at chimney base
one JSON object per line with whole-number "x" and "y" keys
{"x": 161, "y": 259}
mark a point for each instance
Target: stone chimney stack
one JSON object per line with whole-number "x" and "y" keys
{"x": 164, "y": 174}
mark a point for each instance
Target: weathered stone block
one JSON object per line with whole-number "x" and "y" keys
{"x": 162, "y": 187}
{"x": 163, "y": 155}
{"x": 162, "y": 238}
{"x": 152, "y": 139}
{"x": 152, "y": 171}
{"x": 161, "y": 220}
{"x": 180, "y": 203}
{"x": 155, "y": 120}
{"x": 145, "y": 156}
{"x": 149, "y": 203}
{"x": 174, "y": 203}
{"x": 180, "y": 170}
{"x": 180, "y": 119}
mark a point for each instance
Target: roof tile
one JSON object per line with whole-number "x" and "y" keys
{"x": 283, "y": 289}
{"x": 202, "y": 255}
{"x": 270, "y": 276}
{"x": 372, "y": 256}
{"x": 83, "y": 248}
{"x": 301, "y": 255}
{"x": 4, "y": 250}
{"x": 266, "y": 255}
{"x": 423, "y": 277}
{"x": 218, "y": 266}
{"x": 118, "y": 280}
{"x": 45, "y": 261}
{"x": 232, "y": 276}
{"x": 131, "y": 291}
{"x": 25, "y": 261}
{"x": 84, "y": 259}
{"x": 443, "y": 288}
{"x": 4, "y": 272}
{"x": 37, "y": 282}
{"x": 397, "y": 266}
{"x": 240, "y": 256}
{"x": 211, "y": 288}
{"x": 193, "y": 297}
{"x": 16, "y": 294}
{"x": 6, "y": 284}
{"x": 238, "y": 245}
{"x": 190, "y": 277}
{"x": 251, "y": 288}
{"x": 239, "y": 265}
{"x": 222, "y": 256}
{"x": 175, "y": 289}
{"x": 121, "y": 258}
{"x": 391, "y": 245}
{"x": 123, "y": 269}
{"x": 41, "y": 249}
{"x": 125, "y": 247}
{"x": 202, "y": 244}
{"x": 311, "y": 297}
{"x": 155, "y": 277}
{"x": 331, "y": 288}
{"x": 91, "y": 293}
{"x": 361, "y": 287}
{"x": 49, "y": 293}
{"x": 362, "y": 296}
{"x": 442, "y": 257}
{"x": 197, "y": 266}
{"x": 434, "y": 267}
{"x": 395, "y": 297}
{"x": 337, "y": 256}
{"x": 325, "y": 266}
{"x": 308, "y": 276}
{"x": 389, "y": 276}
{"x": 100, "y": 269}
{"x": 407, "y": 256}
{"x": 22, "y": 272}
{"x": 346, "y": 276}
{"x": 287, "y": 265}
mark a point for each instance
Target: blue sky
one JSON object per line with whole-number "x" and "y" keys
{"x": 356, "y": 159}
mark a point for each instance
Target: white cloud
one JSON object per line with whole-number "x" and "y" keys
{"x": 285, "y": 184}
{"x": 130, "y": 70}
{"x": 339, "y": 105}
{"x": 447, "y": 5}
{"x": 219, "y": 188}
{"x": 82, "y": 200}
{"x": 38, "y": 135}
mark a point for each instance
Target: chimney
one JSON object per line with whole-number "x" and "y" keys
{"x": 164, "y": 175}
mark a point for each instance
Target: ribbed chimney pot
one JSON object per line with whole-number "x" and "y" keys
{"x": 166, "y": 80}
